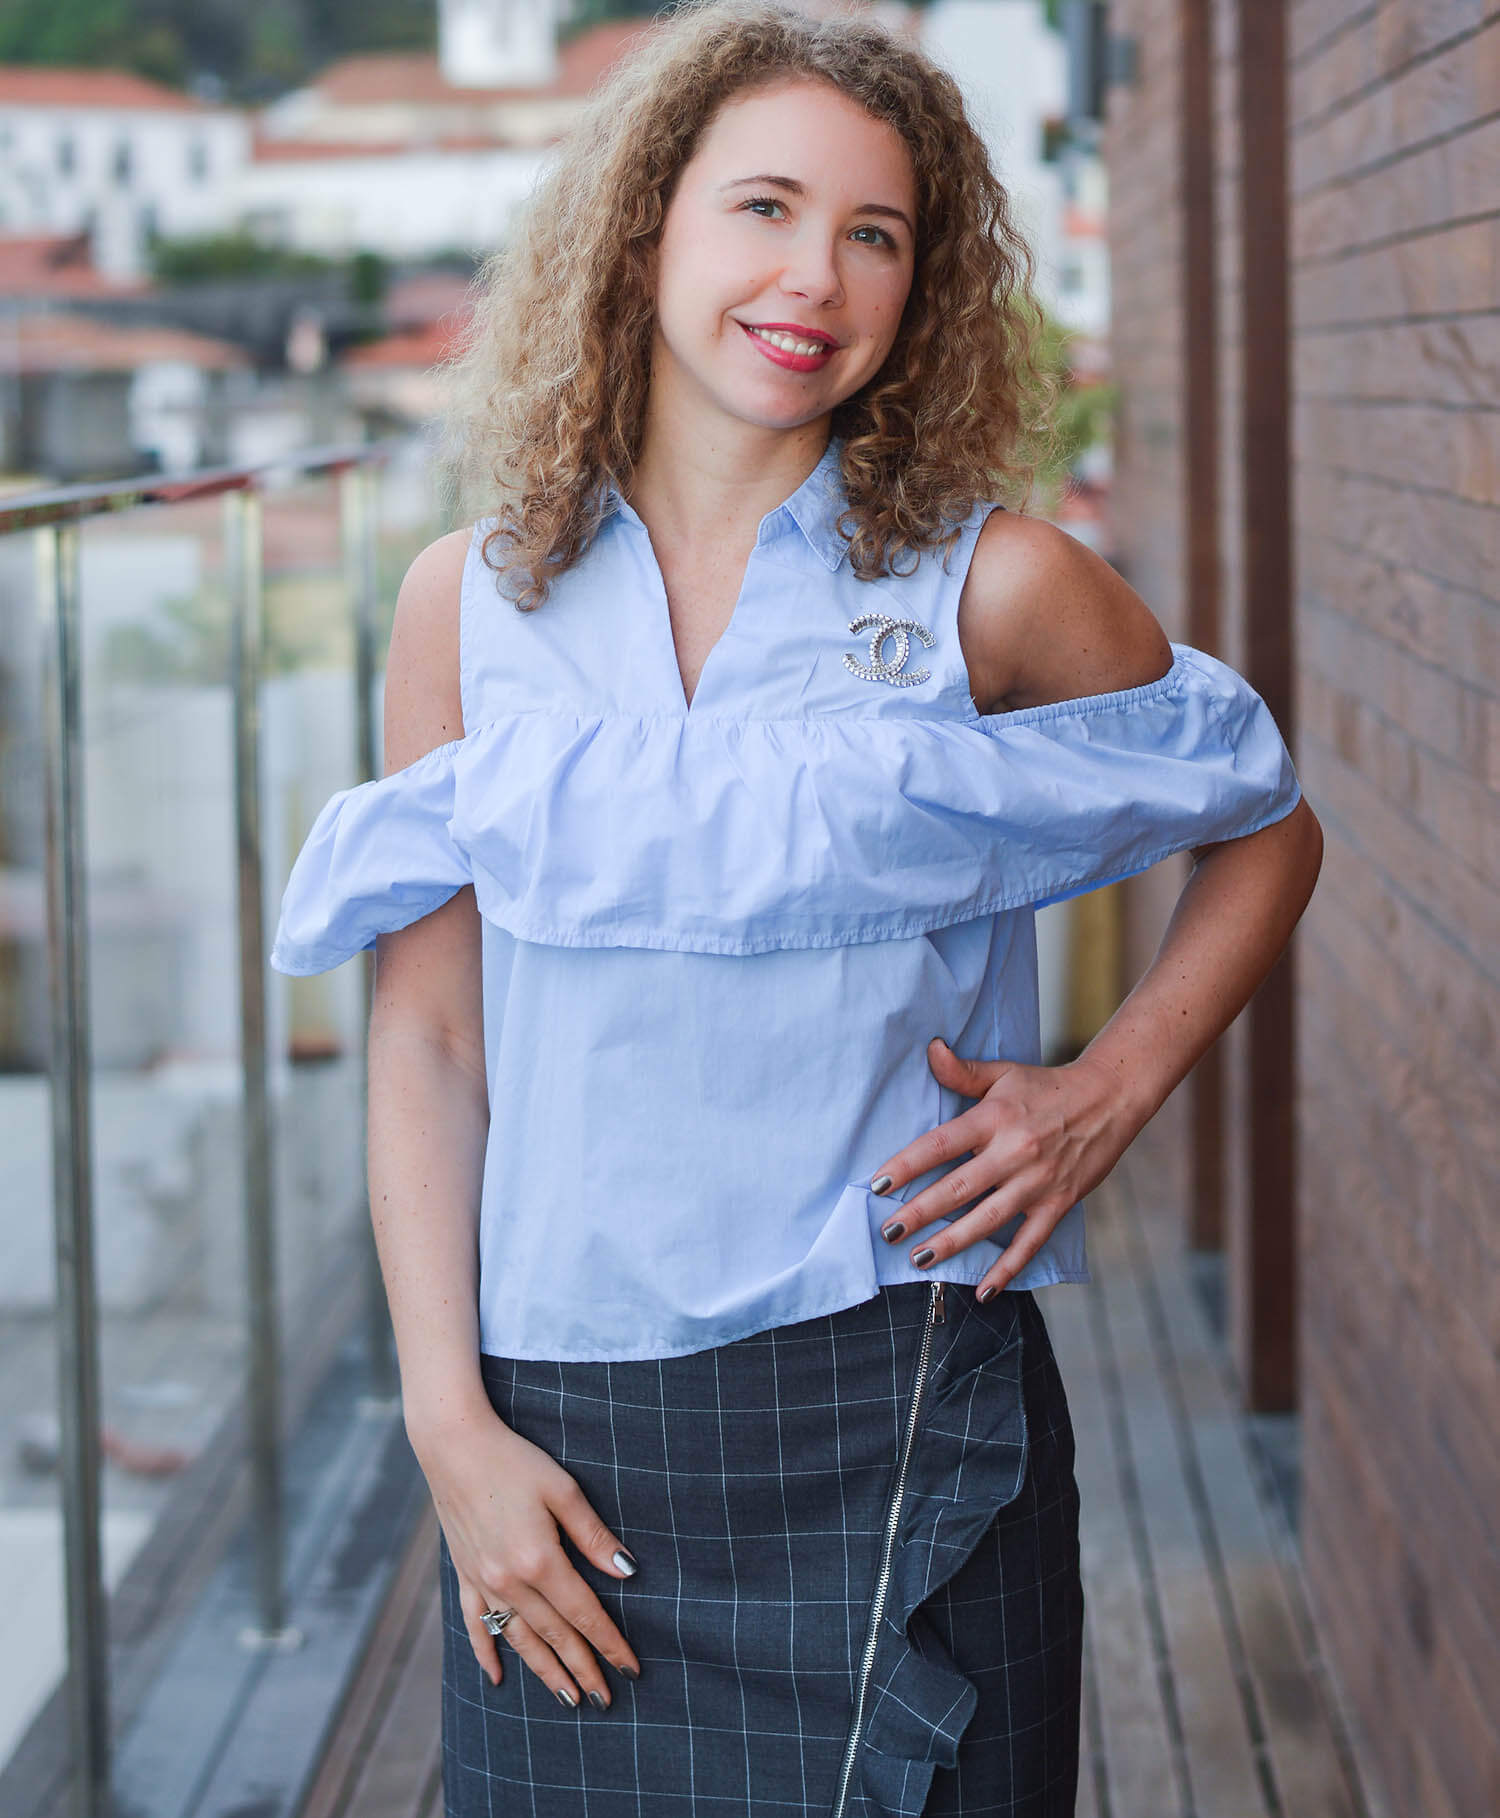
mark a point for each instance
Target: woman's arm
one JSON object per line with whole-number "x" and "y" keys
{"x": 428, "y": 1106}
{"x": 1040, "y": 1138}
{"x": 1044, "y": 620}
{"x": 500, "y": 1499}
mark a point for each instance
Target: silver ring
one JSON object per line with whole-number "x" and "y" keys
{"x": 495, "y": 1620}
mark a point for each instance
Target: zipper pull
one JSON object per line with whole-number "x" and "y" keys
{"x": 939, "y": 1303}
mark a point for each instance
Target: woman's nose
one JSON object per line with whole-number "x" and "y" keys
{"x": 812, "y": 271}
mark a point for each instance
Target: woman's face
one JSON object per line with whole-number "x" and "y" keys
{"x": 794, "y": 219}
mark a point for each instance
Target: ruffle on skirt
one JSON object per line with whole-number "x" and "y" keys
{"x": 754, "y": 1483}
{"x": 968, "y": 1463}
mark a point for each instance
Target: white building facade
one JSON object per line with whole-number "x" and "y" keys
{"x": 411, "y": 155}
{"x": 109, "y": 153}
{"x": 404, "y": 203}
{"x": 1012, "y": 68}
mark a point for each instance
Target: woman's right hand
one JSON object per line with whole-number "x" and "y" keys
{"x": 501, "y": 1501}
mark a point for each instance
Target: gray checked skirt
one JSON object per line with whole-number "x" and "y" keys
{"x": 858, "y": 1592}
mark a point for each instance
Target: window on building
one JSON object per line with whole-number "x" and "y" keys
{"x": 67, "y": 155}
{"x": 122, "y": 161}
{"x": 197, "y": 160}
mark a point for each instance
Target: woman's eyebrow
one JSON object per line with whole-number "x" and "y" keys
{"x": 800, "y": 189}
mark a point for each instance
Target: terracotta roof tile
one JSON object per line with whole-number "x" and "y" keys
{"x": 426, "y": 296}
{"x": 57, "y": 265}
{"x": 41, "y": 342}
{"x": 409, "y": 347}
{"x": 416, "y": 77}
{"x": 294, "y": 151}
{"x": 45, "y": 85}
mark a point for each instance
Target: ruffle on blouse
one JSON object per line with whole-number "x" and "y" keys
{"x": 379, "y": 856}
{"x": 738, "y": 836}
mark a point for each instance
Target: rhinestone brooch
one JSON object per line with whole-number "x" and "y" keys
{"x": 877, "y": 669}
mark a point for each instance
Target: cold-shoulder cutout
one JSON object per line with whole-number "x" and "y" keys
{"x": 1044, "y": 616}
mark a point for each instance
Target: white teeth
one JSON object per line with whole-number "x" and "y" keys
{"x": 790, "y": 343}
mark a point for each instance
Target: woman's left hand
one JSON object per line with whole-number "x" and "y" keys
{"x": 1038, "y": 1140}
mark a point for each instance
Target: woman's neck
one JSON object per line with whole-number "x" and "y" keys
{"x": 697, "y": 480}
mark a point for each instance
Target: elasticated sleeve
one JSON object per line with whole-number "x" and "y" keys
{"x": 1124, "y": 780}
{"x": 378, "y": 857}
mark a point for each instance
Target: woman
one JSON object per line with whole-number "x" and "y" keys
{"x": 728, "y": 758}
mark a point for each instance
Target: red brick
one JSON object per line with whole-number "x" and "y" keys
{"x": 1453, "y": 270}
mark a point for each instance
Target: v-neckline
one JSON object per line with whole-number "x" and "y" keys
{"x": 674, "y": 660}
{"x": 673, "y": 663}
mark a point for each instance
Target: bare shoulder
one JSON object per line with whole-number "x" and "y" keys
{"x": 1044, "y": 618}
{"x": 423, "y": 708}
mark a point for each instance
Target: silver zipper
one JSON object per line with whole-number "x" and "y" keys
{"x": 937, "y": 1313}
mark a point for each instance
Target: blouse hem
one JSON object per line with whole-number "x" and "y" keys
{"x": 660, "y": 1349}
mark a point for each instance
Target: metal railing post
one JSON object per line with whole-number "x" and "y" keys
{"x": 72, "y": 1169}
{"x": 357, "y": 517}
{"x": 242, "y": 556}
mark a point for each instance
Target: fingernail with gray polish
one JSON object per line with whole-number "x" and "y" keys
{"x": 628, "y": 1671}
{"x": 882, "y": 1184}
{"x": 920, "y": 1257}
{"x": 597, "y": 1700}
{"x": 564, "y": 1696}
{"x": 623, "y": 1561}
{"x": 893, "y": 1231}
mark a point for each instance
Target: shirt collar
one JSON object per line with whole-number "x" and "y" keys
{"x": 813, "y": 509}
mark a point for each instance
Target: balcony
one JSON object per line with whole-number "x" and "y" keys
{"x": 217, "y": 1555}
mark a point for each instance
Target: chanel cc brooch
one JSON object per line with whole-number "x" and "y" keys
{"x": 878, "y": 669}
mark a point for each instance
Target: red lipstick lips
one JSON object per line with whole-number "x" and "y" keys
{"x": 782, "y": 356}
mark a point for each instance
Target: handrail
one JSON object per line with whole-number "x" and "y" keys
{"x": 53, "y": 517}
{"x": 96, "y": 498}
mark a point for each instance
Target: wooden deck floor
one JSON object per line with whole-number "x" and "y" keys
{"x": 1205, "y": 1693}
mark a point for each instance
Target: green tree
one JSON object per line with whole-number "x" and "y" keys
{"x": 1083, "y": 414}
{"x": 206, "y": 257}
{"x": 277, "y": 53}
{"x": 369, "y": 276}
{"x": 92, "y": 32}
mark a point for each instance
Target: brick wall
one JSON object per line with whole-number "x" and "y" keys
{"x": 1393, "y": 145}
{"x": 1147, "y": 511}
{"x": 1395, "y": 248}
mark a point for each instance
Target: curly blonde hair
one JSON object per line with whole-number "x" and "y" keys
{"x": 548, "y": 386}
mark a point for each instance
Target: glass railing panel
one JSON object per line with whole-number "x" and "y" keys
{"x": 164, "y": 1024}
{"x": 310, "y": 749}
{"x": 179, "y": 1361}
{"x": 33, "y": 1634}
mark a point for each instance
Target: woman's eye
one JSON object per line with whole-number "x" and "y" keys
{"x": 765, "y": 202}
{"x": 882, "y": 238}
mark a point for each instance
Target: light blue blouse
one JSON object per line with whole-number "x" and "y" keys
{"x": 717, "y": 937}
